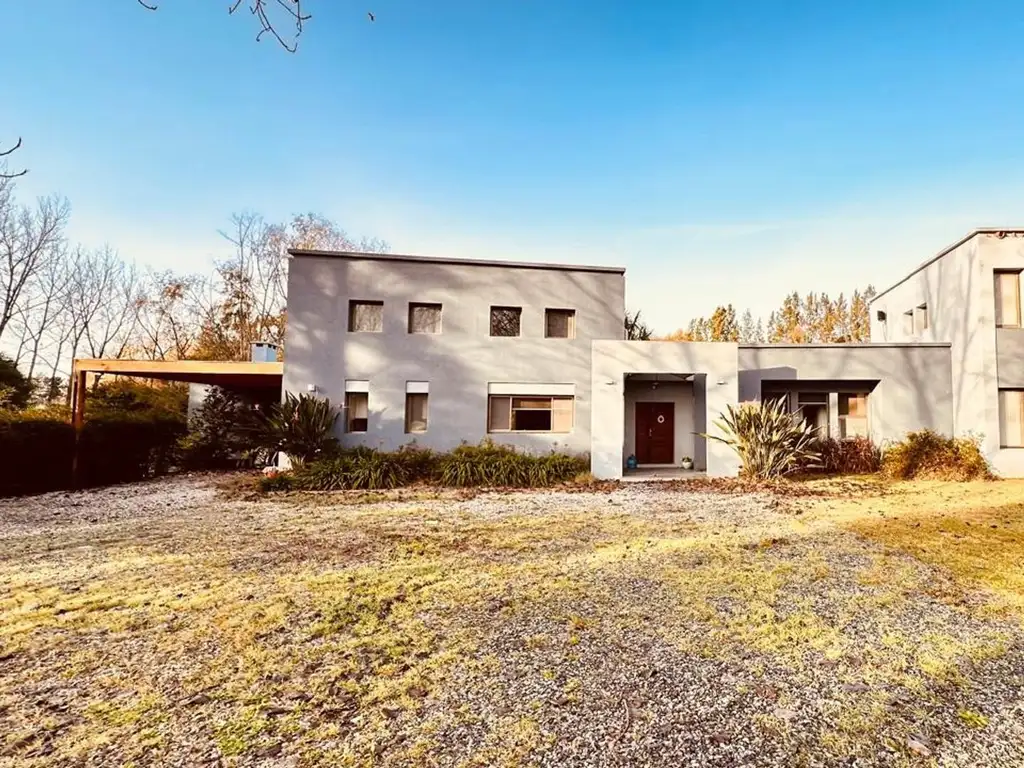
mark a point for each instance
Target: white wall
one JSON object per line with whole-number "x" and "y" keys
{"x": 458, "y": 363}
{"x": 959, "y": 289}
{"x": 680, "y": 393}
{"x": 612, "y": 360}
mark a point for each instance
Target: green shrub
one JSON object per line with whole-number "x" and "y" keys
{"x": 770, "y": 441}
{"x": 489, "y": 464}
{"x": 301, "y": 427}
{"x": 118, "y": 397}
{"x": 486, "y": 464}
{"x": 15, "y": 388}
{"x": 128, "y": 447}
{"x": 223, "y": 432}
{"x": 929, "y": 455}
{"x": 278, "y": 482}
{"x": 37, "y": 448}
{"x": 36, "y": 451}
{"x": 855, "y": 456}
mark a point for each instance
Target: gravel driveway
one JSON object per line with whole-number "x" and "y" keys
{"x": 166, "y": 624}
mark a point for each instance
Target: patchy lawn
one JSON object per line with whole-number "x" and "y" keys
{"x": 851, "y": 624}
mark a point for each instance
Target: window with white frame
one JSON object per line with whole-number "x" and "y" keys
{"x": 365, "y": 316}
{"x": 424, "y": 318}
{"x": 560, "y": 323}
{"x": 1007, "y": 294}
{"x": 507, "y": 413}
{"x": 506, "y": 321}
{"x": 853, "y": 415}
{"x": 357, "y": 411}
{"x": 416, "y": 412}
{"x": 908, "y": 323}
{"x": 1011, "y": 418}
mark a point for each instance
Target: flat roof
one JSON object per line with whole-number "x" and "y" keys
{"x": 461, "y": 262}
{"x": 944, "y": 251}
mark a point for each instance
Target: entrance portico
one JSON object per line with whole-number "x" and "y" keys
{"x": 656, "y": 400}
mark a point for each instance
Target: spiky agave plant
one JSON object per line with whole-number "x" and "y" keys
{"x": 770, "y": 441}
{"x": 302, "y": 427}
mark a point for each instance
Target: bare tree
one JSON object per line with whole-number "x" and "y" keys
{"x": 635, "y": 328}
{"x": 272, "y": 15}
{"x": 29, "y": 239}
{"x": 247, "y": 302}
{"x": 47, "y": 301}
{"x": 103, "y": 304}
{"x": 169, "y": 315}
{"x": 4, "y": 154}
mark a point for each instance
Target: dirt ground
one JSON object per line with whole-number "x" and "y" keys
{"x": 827, "y": 623}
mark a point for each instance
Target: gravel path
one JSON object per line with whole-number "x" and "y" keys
{"x": 645, "y": 625}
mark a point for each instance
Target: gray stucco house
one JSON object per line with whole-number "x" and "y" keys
{"x": 969, "y": 297}
{"x": 441, "y": 351}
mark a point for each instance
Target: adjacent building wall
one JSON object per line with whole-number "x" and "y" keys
{"x": 612, "y": 360}
{"x": 959, "y": 288}
{"x": 910, "y": 384}
{"x": 458, "y": 363}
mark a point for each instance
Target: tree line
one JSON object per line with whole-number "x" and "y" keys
{"x": 60, "y": 300}
{"x": 816, "y": 318}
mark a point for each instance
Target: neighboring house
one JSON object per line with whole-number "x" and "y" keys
{"x": 969, "y": 296}
{"x": 442, "y": 351}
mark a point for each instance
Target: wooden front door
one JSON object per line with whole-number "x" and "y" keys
{"x": 655, "y": 433}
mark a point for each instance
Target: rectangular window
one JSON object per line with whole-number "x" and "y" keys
{"x": 1011, "y": 418}
{"x": 853, "y": 415}
{"x": 416, "y": 412}
{"x": 908, "y": 323}
{"x": 529, "y": 414}
{"x": 1008, "y": 299}
{"x": 560, "y": 323}
{"x": 424, "y": 318}
{"x": 365, "y": 316}
{"x": 357, "y": 411}
{"x": 505, "y": 321}
{"x": 921, "y": 318}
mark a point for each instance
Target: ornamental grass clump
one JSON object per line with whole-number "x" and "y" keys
{"x": 929, "y": 455}
{"x": 770, "y": 441}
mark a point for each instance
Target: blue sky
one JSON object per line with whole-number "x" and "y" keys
{"x": 721, "y": 151}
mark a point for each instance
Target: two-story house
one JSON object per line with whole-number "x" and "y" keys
{"x": 969, "y": 296}
{"x": 441, "y": 351}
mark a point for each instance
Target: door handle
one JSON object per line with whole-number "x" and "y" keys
{"x": 650, "y": 432}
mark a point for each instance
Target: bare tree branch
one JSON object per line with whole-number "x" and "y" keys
{"x": 264, "y": 11}
{"x": 3, "y": 170}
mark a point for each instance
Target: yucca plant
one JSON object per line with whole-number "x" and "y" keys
{"x": 302, "y": 427}
{"x": 770, "y": 441}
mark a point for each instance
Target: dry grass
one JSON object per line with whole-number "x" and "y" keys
{"x": 975, "y": 531}
{"x": 344, "y": 634}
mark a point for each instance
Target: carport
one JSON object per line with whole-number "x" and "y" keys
{"x": 231, "y": 375}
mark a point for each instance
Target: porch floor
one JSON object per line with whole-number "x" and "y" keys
{"x": 645, "y": 474}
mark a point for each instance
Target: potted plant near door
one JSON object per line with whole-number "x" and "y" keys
{"x": 686, "y": 463}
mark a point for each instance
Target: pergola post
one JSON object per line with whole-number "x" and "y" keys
{"x": 77, "y": 417}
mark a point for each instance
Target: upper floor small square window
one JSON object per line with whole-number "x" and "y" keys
{"x": 424, "y": 318}
{"x": 908, "y": 323}
{"x": 921, "y": 318}
{"x": 366, "y": 316}
{"x": 560, "y": 323}
{"x": 506, "y": 321}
